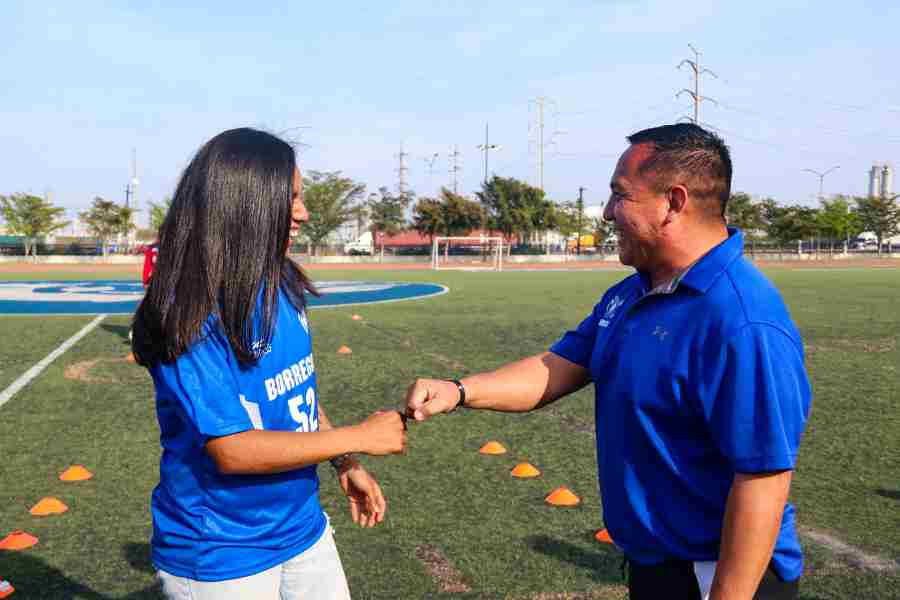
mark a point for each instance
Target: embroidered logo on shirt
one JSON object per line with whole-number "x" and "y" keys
{"x": 260, "y": 348}
{"x": 660, "y": 332}
{"x": 611, "y": 309}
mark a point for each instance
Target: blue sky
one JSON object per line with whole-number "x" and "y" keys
{"x": 800, "y": 85}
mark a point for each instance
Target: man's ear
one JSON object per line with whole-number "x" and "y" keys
{"x": 677, "y": 197}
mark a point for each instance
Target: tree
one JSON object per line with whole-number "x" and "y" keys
{"x": 31, "y": 217}
{"x": 106, "y": 220}
{"x": 567, "y": 220}
{"x": 386, "y": 213}
{"x": 331, "y": 201}
{"x": 428, "y": 217}
{"x": 602, "y": 229}
{"x": 786, "y": 224}
{"x": 515, "y": 208}
{"x": 836, "y": 219}
{"x": 880, "y": 215}
{"x": 158, "y": 212}
{"x": 743, "y": 212}
{"x": 450, "y": 215}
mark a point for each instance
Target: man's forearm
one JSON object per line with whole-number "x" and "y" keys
{"x": 525, "y": 384}
{"x": 752, "y": 521}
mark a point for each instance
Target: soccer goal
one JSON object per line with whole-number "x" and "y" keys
{"x": 467, "y": 253}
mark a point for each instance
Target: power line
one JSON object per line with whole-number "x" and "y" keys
{"x": 695, "y": 94}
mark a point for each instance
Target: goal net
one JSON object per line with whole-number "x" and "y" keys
{"x": 467, "y": 253}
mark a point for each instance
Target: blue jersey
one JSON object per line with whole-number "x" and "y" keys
{"x": 209, "y": 526}
{"x": 693, "y": 384}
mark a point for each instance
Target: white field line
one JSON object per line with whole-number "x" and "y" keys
{"x": 34, "y": 371}
{"x": 850, "y": 554}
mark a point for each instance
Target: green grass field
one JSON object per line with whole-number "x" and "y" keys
{"x": 496, "y": 537}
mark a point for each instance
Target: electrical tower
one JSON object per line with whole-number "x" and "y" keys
{"x": 539, "y": 131}
{"x": 402, "y": 186}
{"x": 131, "y": 186}
{"x": 455, "y": 168}
{"x": 695, "y": 94}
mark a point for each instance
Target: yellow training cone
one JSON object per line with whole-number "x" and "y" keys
{"x": 356, "y": 318}
{"x": 6, "y": 589}
{"x": 344, "y": 350}
{"x": 18, "y": 540}
{"x": 602, "y": 536}
{"x": 562, "y": 496}
{"x": 48, "y": 506}
{"x": 525, "y": 470}
{"x": 75, "y": 473}
{"x": 493, "y": 448}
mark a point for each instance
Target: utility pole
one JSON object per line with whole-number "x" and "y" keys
{"x": 821, "y": 176}
{"x": 486, "y": 148}
{"x": 455, "y": 168}
{"x": 540, "y": 103}
{"x": 695, "y": 94}
{"x": 401, "y": 173}
{"x": 579, "y": 207}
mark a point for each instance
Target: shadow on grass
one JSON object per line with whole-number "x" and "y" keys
{"x": 603, "y": 564}
{"x": 892, "y": 494}
{"x": 137, "y": 554}
{"x": 119, "y": 330}
{"x": 33, "y": 578}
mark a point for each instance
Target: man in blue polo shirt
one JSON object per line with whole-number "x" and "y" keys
{"x": 701, "y": 392}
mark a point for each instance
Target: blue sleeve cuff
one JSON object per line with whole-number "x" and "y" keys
{"x": 765, "y": 464}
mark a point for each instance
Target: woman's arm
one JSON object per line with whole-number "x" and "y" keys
{"x": 260, "y": 452}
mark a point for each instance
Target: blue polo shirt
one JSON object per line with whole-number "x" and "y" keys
{"x": 211, "y": 526}
{"x": 692, "y": 384}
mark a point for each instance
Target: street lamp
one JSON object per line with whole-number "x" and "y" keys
{"x": 821, "y": 176}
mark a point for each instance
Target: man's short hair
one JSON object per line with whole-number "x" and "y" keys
{"x": 692, "y": 156}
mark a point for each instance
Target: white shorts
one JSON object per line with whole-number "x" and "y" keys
{"x": 316, "y": 573}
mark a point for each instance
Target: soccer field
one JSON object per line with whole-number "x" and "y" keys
{"x": 458, "y": 525}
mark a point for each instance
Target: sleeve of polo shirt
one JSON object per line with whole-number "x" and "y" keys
{"x": 758, "y": 411}
{"x": 204, "y": 388}
{"x": 577, "y": 345}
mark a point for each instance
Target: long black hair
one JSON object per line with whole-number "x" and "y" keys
{"x": 221, "y": 245}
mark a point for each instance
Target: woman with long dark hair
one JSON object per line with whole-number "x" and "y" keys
{"x": 224, "y": 333}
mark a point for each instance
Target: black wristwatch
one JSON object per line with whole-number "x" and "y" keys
{"x": 462, "y": 394}
{"x": 341, "y": 461}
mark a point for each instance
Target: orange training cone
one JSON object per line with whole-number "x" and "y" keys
{"x": 75, "y": 473}
{"x": 131, "y": 357}
{"x": 48, "y": 506}
{"x": 525, "y": 470}
{"x": 344, "y": 350}
{"x": 602, "y": 536}
{"x": 6, "y": 589}
{"x": 18, "y": 540}
{"x": 562, "y": 496}
{"x": 356, "y": 318}
{"x": 493, "y": 448}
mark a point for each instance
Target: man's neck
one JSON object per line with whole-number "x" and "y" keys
{"x": 678, "y": 255}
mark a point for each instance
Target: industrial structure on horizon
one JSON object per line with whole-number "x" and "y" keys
{"x": 881, "y": 181}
